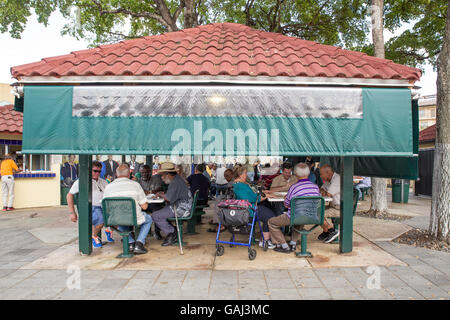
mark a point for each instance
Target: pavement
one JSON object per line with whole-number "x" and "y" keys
{"x": 39, "y": 259}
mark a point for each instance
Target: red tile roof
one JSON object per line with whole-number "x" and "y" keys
{"x": 428, "y": 134}
{"x": 11, "y": 122}
{"x": 218, "y": 49}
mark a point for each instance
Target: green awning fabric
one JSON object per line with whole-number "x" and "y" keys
{"x": 387, "y": 167}
{"x": 263, "y": 121}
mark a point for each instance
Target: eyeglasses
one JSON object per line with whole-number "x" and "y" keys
{"x": 98, "y": 171}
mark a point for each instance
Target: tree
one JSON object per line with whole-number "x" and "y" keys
{"x": 379, "y": 199}
{"x": 333, "y": 22}
{"x": 422, "y": 41}
{"x": 440, "y": 203}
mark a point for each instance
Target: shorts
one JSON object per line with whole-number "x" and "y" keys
{"x": 97, "y": 216}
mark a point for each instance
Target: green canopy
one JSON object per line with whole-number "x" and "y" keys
{"x": 218, "y": 120}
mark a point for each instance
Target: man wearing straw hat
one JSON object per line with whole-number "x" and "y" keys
{"x": 178, "y": 195}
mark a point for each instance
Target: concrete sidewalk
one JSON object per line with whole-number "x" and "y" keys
{"x": 39, "y": 259}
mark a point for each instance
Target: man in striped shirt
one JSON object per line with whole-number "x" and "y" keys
{"x": 303, "y": 188}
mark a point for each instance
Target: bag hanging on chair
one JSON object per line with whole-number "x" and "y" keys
{"x": 234, "y": 212}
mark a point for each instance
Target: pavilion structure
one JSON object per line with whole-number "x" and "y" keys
{"x": 223, "y": 89}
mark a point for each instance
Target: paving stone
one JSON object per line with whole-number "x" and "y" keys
{"x": 121, "y": 274}
{"x": 314, "y": 293}
{"x": 14, "y": 294}
{"x": 178, "y": 275}
{"x": 344, "y": 293}
{"x": 258, "y": 284}
{"x": 438, "y": 279}
{"x": 196, "y": 284}
{"x": 198, "y": 275}
{"x": 276, "y": 274}
{"x": 281, "y": 283}
{"x": 375, "y": 294}
{"x": 251, "y": 274}
{"x": 5, "y": 272}
{"x": 284, "y": 294}
{"x": 194, "y": 293}
{"x": 147, "y": 274}
{"x": 308, "y": 283}
{"x": 223, "y": 294}
{"x": 335, "y": 282}
{"x": 404, "y": 293}
{"x": 254, "y": 294}
{"x": 68, "y": 294}
{"x": 102, "y": 294}
{"x": 44, "y": 294}
{"x": 168, "y": 293}
{"x": 9, "y": 282}
{"x": 41, "y": 283}
{"x": 22, "y": 274}
{"x": 112, "y": 284}
{"x": 139, "y": 284}
{"x": 131, "y": 294}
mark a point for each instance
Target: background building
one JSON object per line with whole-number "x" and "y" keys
{"x": 427, "y": 111}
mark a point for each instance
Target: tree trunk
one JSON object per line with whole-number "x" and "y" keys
{"x": 189, "y": 14}
{"x": 378, "y": 199}
{"x": 440, "y": 203}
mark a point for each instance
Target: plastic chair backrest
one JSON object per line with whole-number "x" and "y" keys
{"x": 119, "y": 211}
{"x": 194, "y": 202}
{"x": 307, "y": 210}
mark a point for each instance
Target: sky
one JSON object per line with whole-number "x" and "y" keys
{"x": 41, "y": 42}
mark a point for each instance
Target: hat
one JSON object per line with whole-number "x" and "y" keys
{"x": 167, "y": 167}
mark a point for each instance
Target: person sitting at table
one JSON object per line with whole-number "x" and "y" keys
{"x": 243, "y": 191}
{"x": 98, "y": 187}
{"x": 302, "y": 188}
{"x": 282, "y": 183}
{"x": 198, "y": 181}
{"x": 178, "y": 195}
{"x": 122, "y": 186}
{"x": 365, "y": 183}
{"x": 331, "y": 188}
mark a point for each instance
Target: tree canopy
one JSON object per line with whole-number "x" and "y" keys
{"x": 344, "y": 23}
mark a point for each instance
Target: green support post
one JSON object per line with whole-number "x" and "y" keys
{"x": 85, "y": 205}
{"x": 346, "y": 227}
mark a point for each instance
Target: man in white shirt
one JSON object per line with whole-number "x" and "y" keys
{"x": 221, "y": 182}
{"x": 98, "y": 187}
{"x": 331, "y": 188}
{"x": 122, "y": 186}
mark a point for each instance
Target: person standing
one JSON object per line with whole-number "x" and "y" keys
{"x": 111, "y": 167}
{"x": 98, "y": 187}
{"x": 134, "y": 165}
{"x": 69, "y": 171}
{"x": 7, "y": 167}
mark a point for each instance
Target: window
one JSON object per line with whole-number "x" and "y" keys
{"x": 37, "y": 162}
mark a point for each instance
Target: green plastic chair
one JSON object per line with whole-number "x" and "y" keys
{"x": 306, "y": 211}
{"x": 120, "y": 211}
{"x": 188, "y": 218}
{"x": 337, "y": 220}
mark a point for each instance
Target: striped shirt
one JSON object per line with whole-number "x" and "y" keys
{"x": 303, "y": 188}
{"x": 124, "y": 187}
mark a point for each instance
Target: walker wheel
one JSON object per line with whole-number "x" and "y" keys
{"x": 266, "y": 246}
{"x": 251, "y": 254}
{"x": 231, "y": 240}
{"x": 219, "y": 250}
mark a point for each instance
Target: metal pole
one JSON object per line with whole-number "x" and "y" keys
{"x": 85, "y": 205}
{"x": 346, "y": 227}
{"x": 401, "y": 192}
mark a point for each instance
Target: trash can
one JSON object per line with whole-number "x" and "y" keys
{"x": 64, "y": 192}
{"x": 397, "y": 190}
